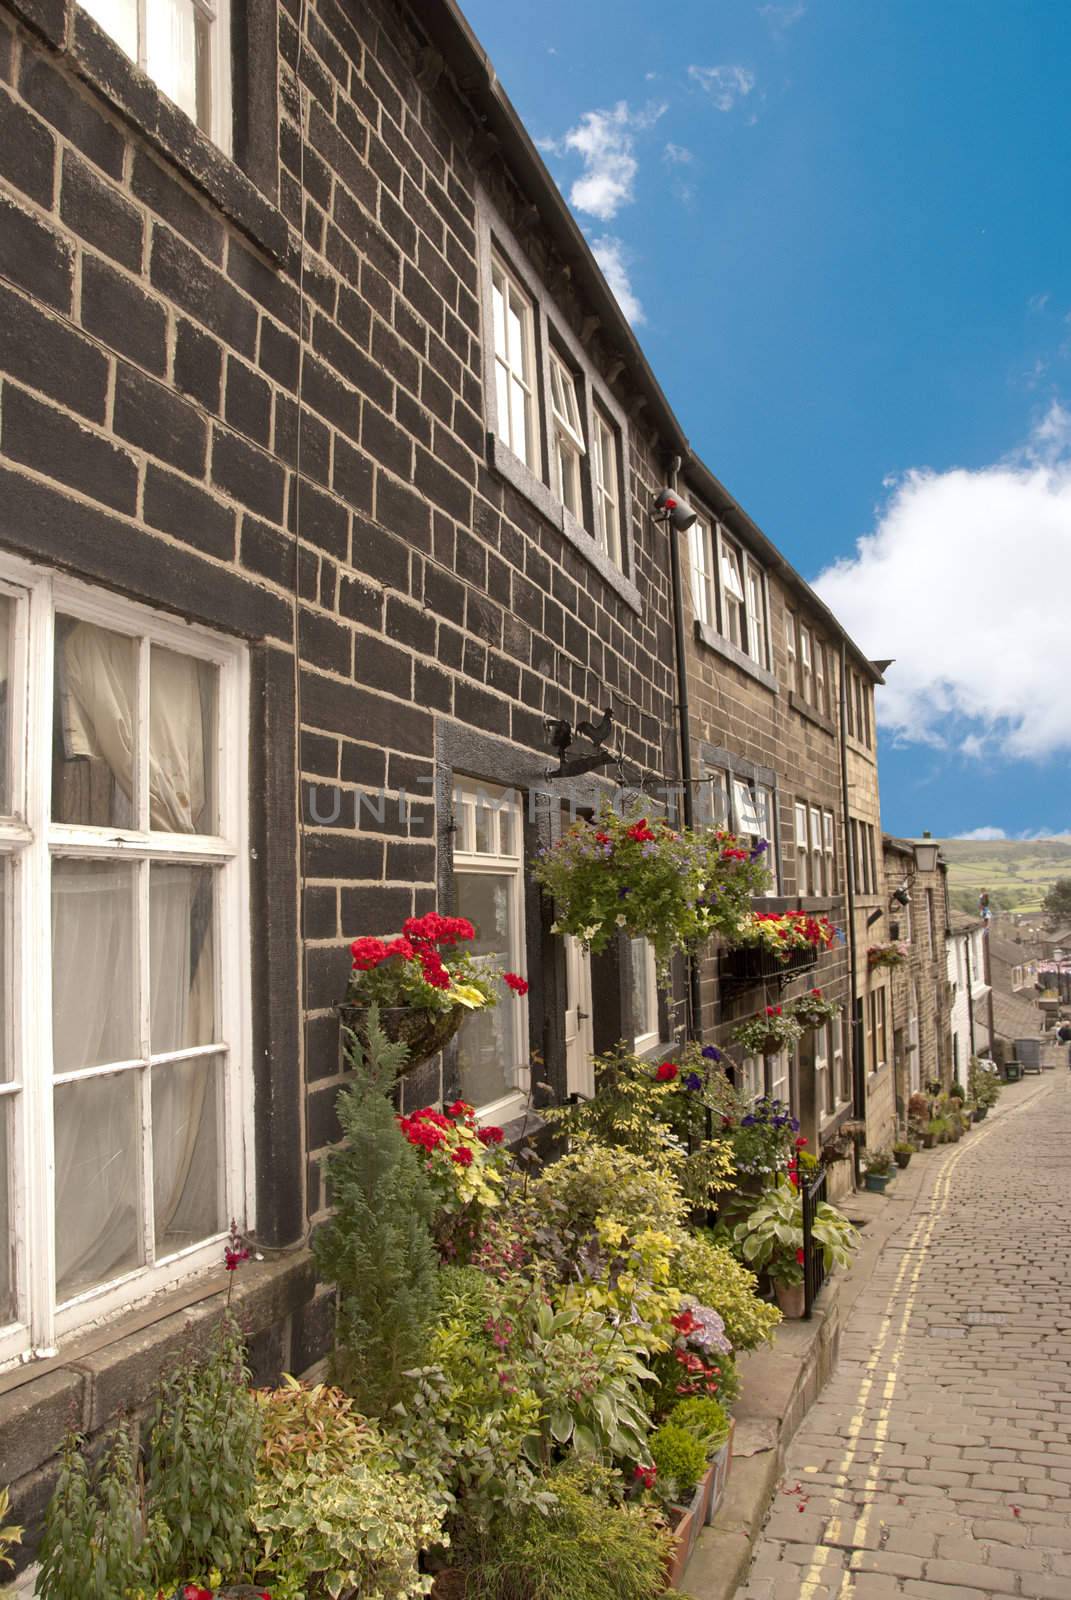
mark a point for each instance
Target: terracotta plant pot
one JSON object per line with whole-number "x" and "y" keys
{"x": 423, "y": 1032}
{"x": 687, "y": 1521}
{"x": 790, "y": 1297}
{"x": 721, "y": 1465}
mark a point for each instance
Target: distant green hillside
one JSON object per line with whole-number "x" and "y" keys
{"x": 1016, "y": 874}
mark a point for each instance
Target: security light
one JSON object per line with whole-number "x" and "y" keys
{"x": 669, "y": 507}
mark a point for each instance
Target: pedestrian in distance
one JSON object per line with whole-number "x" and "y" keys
{"x": 1063, "y": 1033}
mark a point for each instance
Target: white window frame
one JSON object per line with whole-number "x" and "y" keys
{"x": 215, "y": 16}
{"x": 721, "y": 805}
{"x": 32, "y": 841}
{"x": 842, "y": 1088}
{"x": 701, "y": 552}
{"x": 803, "y": 854}
{"x": 643, "y": 1042}
{"x": 829, "y": 851}
{"x": 752, "y": 1078}
{"x": 606, "y": 488}
{"x": 466, "y": 858}
{"x": 567, "y": 445}
{"x": 755, "y": 608}
{"x": 505, "y": 285}
{"x": 806, "y": 665}
{"x": 818, "y": 859}
{"x": 881, "y": 1027}
{"x": 825, "y": 1083}
{"x": 821, "y": 688}
{"x": 781, "y": 1077}
{"x": 791, "y": 651}
{"x": 766, "y": 805}
{"x": 731, "y": 593}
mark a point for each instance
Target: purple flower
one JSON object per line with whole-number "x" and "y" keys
{"x": 623, "y": 891}
{"x": 748, "y": 1121}
{"x": 693, "y": 1081}
{"x": 759, "y": 848}
{"x": 649, "y": 849}
{"x": 711, "y": 1052}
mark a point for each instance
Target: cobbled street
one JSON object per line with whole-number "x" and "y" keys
{"x": 937, "y": 1462}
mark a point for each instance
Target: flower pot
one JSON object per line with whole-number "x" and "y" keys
{"x": 687, "y": 1521}
{"x": 980, "y": 1113}
{"x": 902, "y": 1157}
{"x": 721, "y": 1465}
{"x": 878, "y": 1182}
{"x": 423, "y": 1032}
{"x": 928, "y": 1140}
{"x": 790, "y": 1297}
{"x": 748, "y": 962}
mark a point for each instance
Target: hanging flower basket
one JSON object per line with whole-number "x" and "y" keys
{"x": 894, "y": 954}
{"x": 768, "y": 1032}
{"x": 813, "y": 1010}
{"x": 783, "y": 935}
{"x": 639, "y": 876}
{"x": 423, "y": 983}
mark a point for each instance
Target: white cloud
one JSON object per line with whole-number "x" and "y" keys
{"x": 982, "y": 833}
{"x": 966, "y": 581}
{"x": 605, "y": 143}
{"x": 724, "y": 85}
{"x": 612, "y": 257}
{"x": 676, "y": 155}
{"x": 780, "y": 18}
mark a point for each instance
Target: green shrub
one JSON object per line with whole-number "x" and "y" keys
{"x": 377, "y": 1247}
{"x": 704, "y": 1419}
{"x": 713, "y": 1276}
{"x": 596, "y": 1182}
{"x": 91, "y": 1549}
{"x": 202, "y": 1462}
{"x": 681, "y": 1461}
{"x": 332, "y": 1510}
{"x": 584, "y": 1548}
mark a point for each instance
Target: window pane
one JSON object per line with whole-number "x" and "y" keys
{"x": 488, "y": 1046}
{"x": 187, "y": 1144}
{"x": 119, "y": 19}
{"x": 518, "y": 420}
{"x": 182, "y": 740}
{"x": 518, "y": 353}
{"x": 95, "y": 700}
{"x": 502, "y": 401}
{"x": 644, "y": 1011}
{"x": 182, "y": 976}
{"x": 7, "y": 619}
{"x": 507, "y": 833}
{"x": 485, "y": 829}
{"x": 5, "y": 976}
{"x": 7, "y": 1242}
{"x": 171, "y": 50}
{"x": 94, "y": 981}
{"x": 98, "y": 1229}
{"x": 498, "y": 315}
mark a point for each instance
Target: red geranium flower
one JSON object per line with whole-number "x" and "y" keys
{"x": 518, "y": 984}
{"x": 367, "y": 953}
{"x": 490, "y": 1136}
{"x": 799, "y": 1256}
{"x": 640, "y": 832}
{"x": 458, "y": 1109}
{"x": 462, "y": 1156}
{"x": 666, "y": 1072}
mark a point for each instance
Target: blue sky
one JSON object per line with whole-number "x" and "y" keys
{"x": 842, "y": 232}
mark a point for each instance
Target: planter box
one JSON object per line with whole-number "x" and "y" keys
{"x": 747, "y": 963}
{"x": 721, "y": 1465}
{"x": 878, "y": 1182}
{"x": 687, "y": 1521}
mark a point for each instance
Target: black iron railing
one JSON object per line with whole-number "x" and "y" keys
{"x": 812, "y": 1194}
{"x": 755, "y": 964}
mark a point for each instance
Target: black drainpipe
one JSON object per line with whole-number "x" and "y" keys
{"x": 687, "y": 802}
{"x": 858, "y": 1064}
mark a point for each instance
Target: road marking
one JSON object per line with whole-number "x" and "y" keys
{"x": 914, "y": 1257}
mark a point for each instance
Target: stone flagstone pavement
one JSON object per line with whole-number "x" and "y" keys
{"x": 937, "y": 1461}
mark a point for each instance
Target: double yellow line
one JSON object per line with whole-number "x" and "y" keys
{"x": 915, "y": 1255}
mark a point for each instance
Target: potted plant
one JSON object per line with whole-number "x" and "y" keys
{"x": 641, "y": 877}
{"x": 879, "y": 1170}
{"x": 893, "y": 953}
{"x": 771, "y": 1237}
{"x": 813, "y": 1010}
{"x": 763, "y": 1138}
{"x": 902, "y": 1151}
{"x": 424, "y": 984}
{"x": 772, "y": 941}
{"x": 680, "y": 1464}
{"x": 768, "y": 1032}
{"x": 931, "y": 1132}
{"x": 707, "y": 1420}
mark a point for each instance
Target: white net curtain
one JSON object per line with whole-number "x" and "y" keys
{"x": 99, "y": 962}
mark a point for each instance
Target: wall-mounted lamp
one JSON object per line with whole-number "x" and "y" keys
{"x": 902, "y": 896}
{"x": 926, "y": 853}
{"x": 669, "y": 507}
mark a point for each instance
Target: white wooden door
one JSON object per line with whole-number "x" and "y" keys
{"x": 579, "y": 1072}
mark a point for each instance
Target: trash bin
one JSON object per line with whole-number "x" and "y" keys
{"x": 1028, "y": 1051}
{"x": 1013, "y": 1071}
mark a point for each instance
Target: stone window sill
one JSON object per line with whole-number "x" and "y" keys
{"x": 113, "y": 75}
{"x": 811, "y": 714}
{"x": 860, "y": 749}
{"x": 729, "y": 652}
{"x": 521, "y": 478}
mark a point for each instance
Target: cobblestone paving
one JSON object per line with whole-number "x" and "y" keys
{"x": 937, "y": 1462}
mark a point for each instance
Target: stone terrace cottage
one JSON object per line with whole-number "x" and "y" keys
{"x": 328, "y": 462}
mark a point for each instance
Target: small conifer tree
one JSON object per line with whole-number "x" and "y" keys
{"x": 377, "y": 1248}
